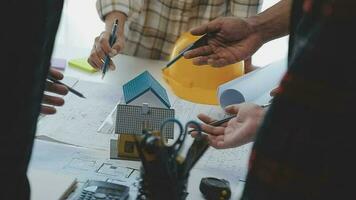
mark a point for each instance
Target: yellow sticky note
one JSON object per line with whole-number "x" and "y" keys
{"x": 81, "y": 63}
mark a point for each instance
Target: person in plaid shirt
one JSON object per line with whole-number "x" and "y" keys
{"x": 304, "y": 142}
{"x": 152, "y": 26}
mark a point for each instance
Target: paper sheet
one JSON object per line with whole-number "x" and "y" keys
{"x": 234, "y": 160}
{"x": 83, "y": 164}
{"x": 253, "y": 87}
{"x": 79, "y": 162}
{"x": 56, "y": 186}
{"x": 78, "y": 120}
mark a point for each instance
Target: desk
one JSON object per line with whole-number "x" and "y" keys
{"x": 127, "y": 68}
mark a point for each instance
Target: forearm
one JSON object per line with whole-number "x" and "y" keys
{"x": 273, "y": 22}
{"x": 110, "y": 19}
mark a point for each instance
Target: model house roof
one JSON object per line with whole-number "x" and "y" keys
{"x": 143, "y": 83}
{"x": 132, "y": 119}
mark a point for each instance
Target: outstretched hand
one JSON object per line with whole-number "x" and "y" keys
{"x": 233, "y": 39}
{"x": 238, "y": 131}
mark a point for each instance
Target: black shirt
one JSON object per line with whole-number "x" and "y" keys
{"x": 28, "y": 29}
{"x": 305, "y": 145}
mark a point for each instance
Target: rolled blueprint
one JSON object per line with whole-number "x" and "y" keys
{"x": 253, "y": 87}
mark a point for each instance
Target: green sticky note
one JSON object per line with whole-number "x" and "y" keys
{"x": 81, "y": 63}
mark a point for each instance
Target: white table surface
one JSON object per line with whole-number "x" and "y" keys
{"x": 75, "y": 38}
{"x": 128, "y": 67}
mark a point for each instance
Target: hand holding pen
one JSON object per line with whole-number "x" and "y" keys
{"x": 238, "y": 129}
{"x": 54, "y": 83}
{"x": 112, "y": 40}
{"x": 102, "y": 48}
{"x": 49, "y": 101}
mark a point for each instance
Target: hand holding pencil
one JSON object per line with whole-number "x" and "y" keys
{"x": 238, "y": 129}
{"x": 112, "y": 40}
{"x": 102, "y": 47}
{"x": 49, "y": 101}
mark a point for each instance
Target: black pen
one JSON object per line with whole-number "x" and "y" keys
{"x": 222, "y": 121}
{"x": 112, "y": 40}
{"x": 203, "y": 40}
{"x": 50, "y": 78}
{"x": 217, "y": 122}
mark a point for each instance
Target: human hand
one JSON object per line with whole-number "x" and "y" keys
{"x": 49, "y": 101}
{"x": 275, "y": 91}
{"x": 238, "y": 131}
{"x": 233, "y": 39}
{"x": 249, "y": 67}
{"x": 102, "y": 47}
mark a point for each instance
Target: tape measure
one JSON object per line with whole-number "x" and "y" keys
{"x": 214, "y": 188}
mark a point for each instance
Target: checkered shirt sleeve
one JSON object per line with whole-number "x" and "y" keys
{"x": 153, "y": 26}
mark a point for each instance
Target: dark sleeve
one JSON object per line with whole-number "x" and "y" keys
{"x": 27, "y": 38}
{"x": 304, "y": 145}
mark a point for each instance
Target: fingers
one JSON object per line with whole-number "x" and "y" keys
{"x": 220, "y": 59}
{"x": 195, "y": 134}
{"x": 213, "y": 26}
{"x": 118, "y": 45}
{"x": 56, "y": 88}
{"x": 200, "y": 51}
{"x": 220, "y": 142}
{"x": 233, "y": 109}
{"x": 275, "y": 91}
{"x": 112, "y": 65}
{"x": 212, "y": 130}
{"x": 52, "y": 100}
{"x": 48, "y": 110}
{"x": 213, "y": 55}
{"x": 205, "y": 118}
{"x": 223, "y": 56}
{"x": 218, "y": 62}
{"x": 102, "y": 48}
{"x": 94, "y": 60}
{"x": 55, "y": 74}
{"x": 206, "y": 128}
{"x": 217, "y": 142}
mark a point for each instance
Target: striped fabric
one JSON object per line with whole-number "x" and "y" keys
{"x": 153, "y": 26}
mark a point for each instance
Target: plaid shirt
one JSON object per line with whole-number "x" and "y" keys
{"x": 154, "y": 25}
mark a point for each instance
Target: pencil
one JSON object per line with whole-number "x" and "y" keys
{"x": 217, "y": 122}
{"x": 200, "y": 42}
{"x": 222, "y": 121}
{"x": 111, "y": 42}
{"x": 69, "y": 88}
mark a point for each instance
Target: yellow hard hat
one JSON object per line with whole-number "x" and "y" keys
{"x": 197, "y": 83}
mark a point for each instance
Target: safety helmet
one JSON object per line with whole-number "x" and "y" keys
{"x": 197, "y": 83}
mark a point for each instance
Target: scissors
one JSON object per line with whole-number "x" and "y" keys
{"x": 196, "y": 150}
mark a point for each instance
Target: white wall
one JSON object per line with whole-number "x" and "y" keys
{"x": 79, "y": 25}
{"x": 273, "y": 50}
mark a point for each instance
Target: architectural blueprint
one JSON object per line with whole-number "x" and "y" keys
{"x": 78, "y": 120}
{"x": 83, "y": 164}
